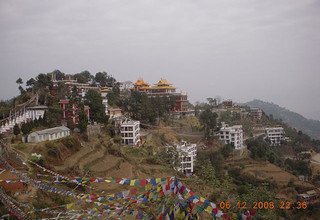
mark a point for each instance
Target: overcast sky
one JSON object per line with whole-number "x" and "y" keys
{"x": 241, "y": 49}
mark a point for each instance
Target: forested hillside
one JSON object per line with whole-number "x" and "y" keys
{"x": 308, "y": 126}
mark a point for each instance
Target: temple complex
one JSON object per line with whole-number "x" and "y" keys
{"x": 165, "y": 88}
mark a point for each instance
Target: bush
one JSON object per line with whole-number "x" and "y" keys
{"x": 117, "y": 139}
{"x": 71, "y": 142}
{"x": 226, "y": 150}
{"x": 39, "y": 161}
{"x": 54, "y": 152}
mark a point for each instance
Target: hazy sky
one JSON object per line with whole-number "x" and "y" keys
{"x": 244, "y": 49}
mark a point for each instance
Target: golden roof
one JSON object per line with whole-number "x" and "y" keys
{"x": 162, "y": 87}
{"x": 163, "y": 82}
{"x": 141, "y": 82}
{"x": 105, "y": 89}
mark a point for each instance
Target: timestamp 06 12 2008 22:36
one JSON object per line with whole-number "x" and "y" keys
{"x": 300, "y": 205}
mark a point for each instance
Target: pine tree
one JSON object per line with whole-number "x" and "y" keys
{"x": 16, "y": 130}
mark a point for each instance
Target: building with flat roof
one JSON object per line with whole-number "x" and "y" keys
{"x": 187, "y": 153}
{"x": 275, "y": 135}
{"x": 48, "y": 134}
{"x": 232, "y": 135}
{"x": 130, "y": 132}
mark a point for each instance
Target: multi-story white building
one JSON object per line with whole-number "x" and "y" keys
{"x": 275, "y": 135}
{"x": 185, "y": 158}
{"x": 232, "y": 135}
{"x": 187, "y": 153}
{"x": 130, "y": 132}
{"x": 104, "y": 94}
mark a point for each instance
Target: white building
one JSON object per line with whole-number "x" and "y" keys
{"x": 275, "y": 135}
{"x": 126, "y": 85}
{"x": 114, "y": 112}
{"x": 48, "y": 134}
{"x": 22, "y": 116}
{"x": 130, "y": 132}
{"x": 35, "y": 112}
{"x": 104, "y": 94}
{"x": 187, "y": 153}
{"x": 232, "y": 135}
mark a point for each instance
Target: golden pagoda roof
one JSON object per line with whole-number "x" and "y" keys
{"x": 163, "y": 82}
{"x": 141, "y": 82}
{"x": 105, "y": 89}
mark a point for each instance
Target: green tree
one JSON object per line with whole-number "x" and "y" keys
{"x": 43, "y": 81}
{"x": 226, "y": 150}
{"x": 104, "y": 79}
{"x": 83, "y": 77}
{"x": 212, "y": 102}
{"x": 16, "y": 130}
{"x": 207, "y": 173}
{"x": 258, "y": 148}
{"x": 208, "y": 119}
{"x": 20, "y": 82}
{"x": 226, "y": 117}
{"x": 58, "y": 74}
{"x": 25, "y": 128}
{"x": 53, "y": 116}
{"x": 101, "y": 78}
{"x": 83, "y": 120}
{"x": 97, "y": 109}
{"x": 30, "y": 83}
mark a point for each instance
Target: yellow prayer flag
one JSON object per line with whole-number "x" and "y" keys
{"x": 209, "y": 209}
{"x": 69, "y": 206}
{"x": 132, "y": 182}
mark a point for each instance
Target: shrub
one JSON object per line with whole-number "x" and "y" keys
{"x": 70, "y": 142}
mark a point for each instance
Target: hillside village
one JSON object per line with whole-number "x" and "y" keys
{"x": 87, "y": 146}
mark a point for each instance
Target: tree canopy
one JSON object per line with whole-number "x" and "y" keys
{"x": 97, "y": 109}
{"x": 208, "y": 119}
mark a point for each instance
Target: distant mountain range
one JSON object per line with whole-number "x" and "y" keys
{"x": 307, "y": 126}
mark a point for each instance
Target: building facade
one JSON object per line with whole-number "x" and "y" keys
{"x": 232, "y": 135}
{"x": 70, "y": 111}
{"x": 275, "y": 135}
{"x": 187, "y": 153}
{"x": 114, "y": 112}
{"x": 227, "y": 103}
{"x": 130, "y": 132}
{"x": 256, "y": 113}
{"x": 186, "y": 156}
{"x": 104, "y": 94}
{"x": 48, "y": 134}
